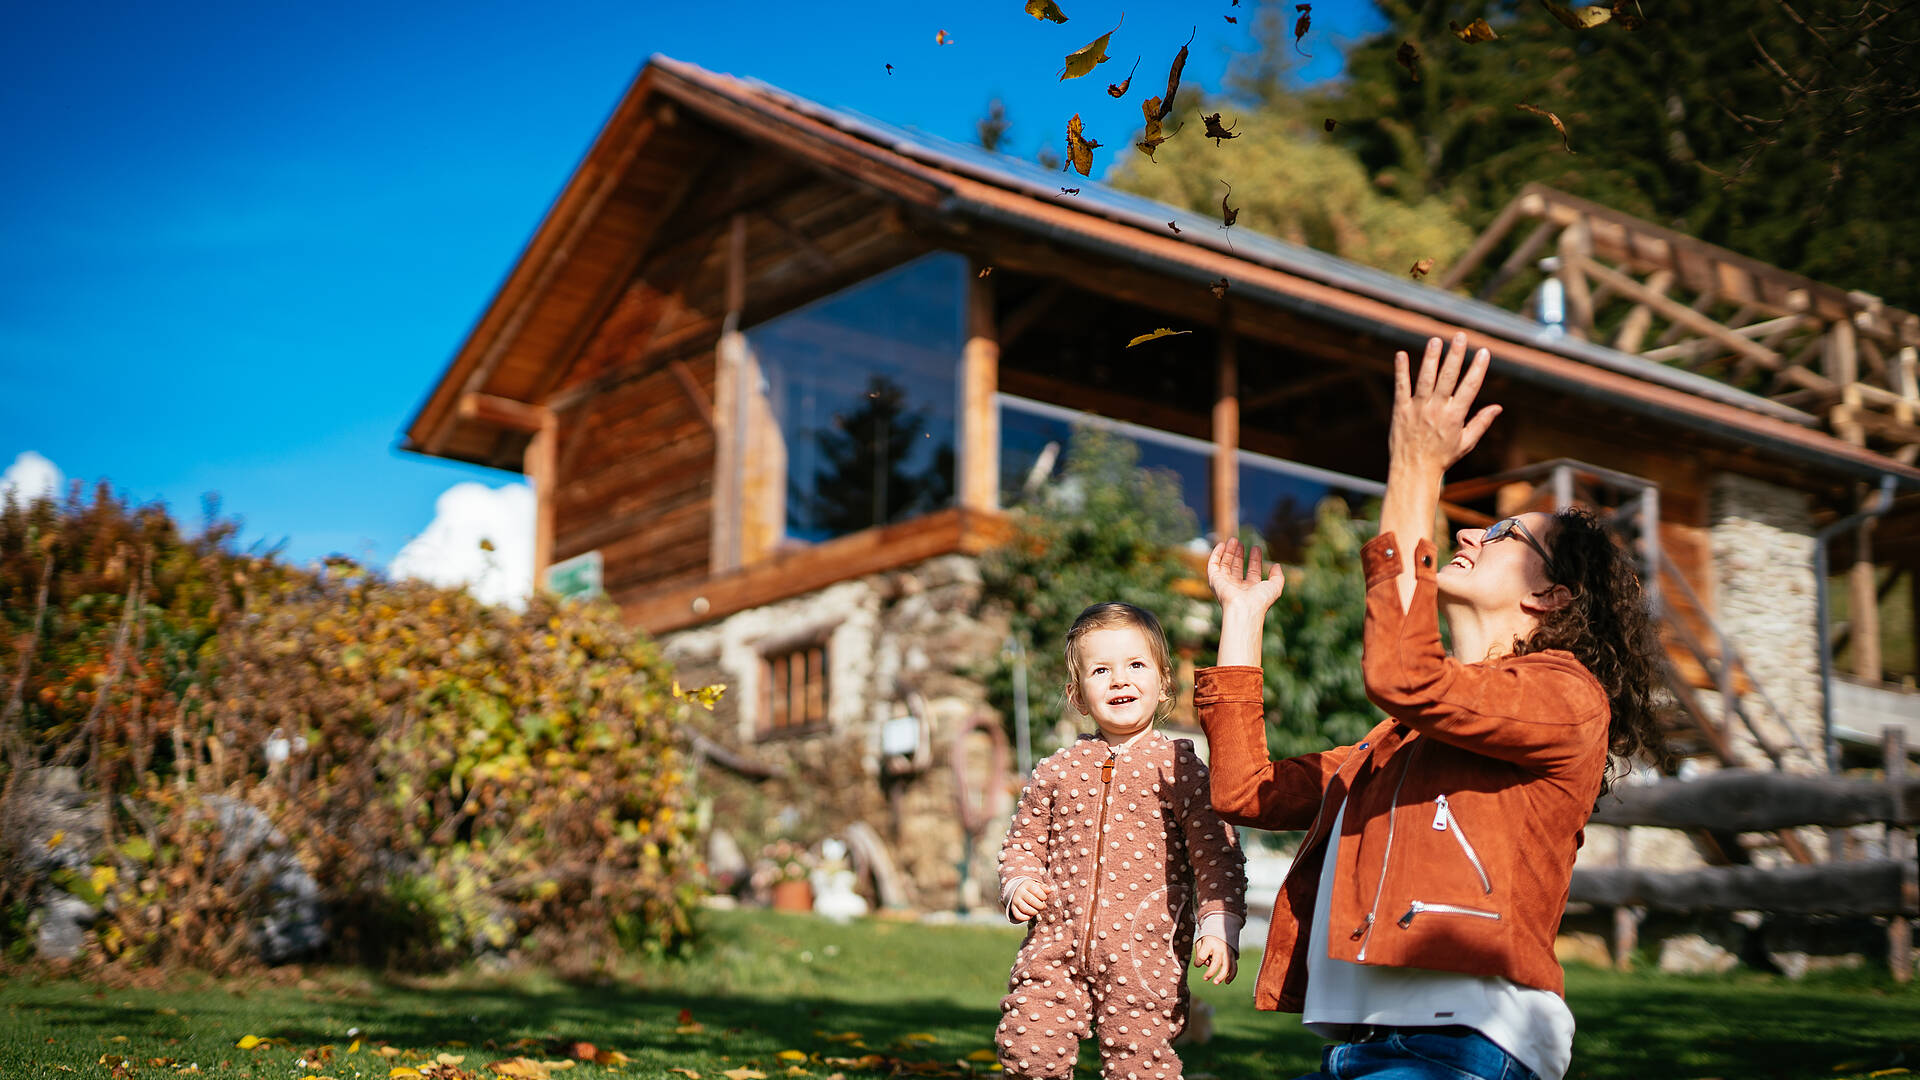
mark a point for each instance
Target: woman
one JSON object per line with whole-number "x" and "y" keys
{"x": 1415, "y": 928}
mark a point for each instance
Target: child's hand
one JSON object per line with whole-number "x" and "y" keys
{"x": 1233, "y": 572}
{"x": 1212, "y": 953}
{"x": 1028, "y": 900}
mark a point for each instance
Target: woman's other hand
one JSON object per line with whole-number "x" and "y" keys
{"x": 1431, "y": 429}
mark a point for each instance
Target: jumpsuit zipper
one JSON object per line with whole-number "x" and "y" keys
{"x": 1365, "y": 930}
{"x": 1444, "y": 821}
{"x": 1099, "y": 857}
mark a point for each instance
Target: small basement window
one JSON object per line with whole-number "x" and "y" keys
{"x": 793, "y": 690}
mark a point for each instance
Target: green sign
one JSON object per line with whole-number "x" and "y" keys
{"x": 580, "y": 576}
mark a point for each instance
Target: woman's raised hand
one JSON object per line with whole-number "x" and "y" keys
{"x": 1430, "y": 424}
{"x": 1234, "y": 575}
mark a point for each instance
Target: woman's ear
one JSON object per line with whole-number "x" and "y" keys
{"x": 1547, "y": 600}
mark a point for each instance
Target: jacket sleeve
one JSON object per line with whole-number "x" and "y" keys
{"x": 1538, "y": 711}
{"x": 1247, "y": 786}
{"x": 1024, "y": 852}
{"x": 1219, "y": 868}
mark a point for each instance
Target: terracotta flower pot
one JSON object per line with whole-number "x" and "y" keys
{"x": 792, "y": 896}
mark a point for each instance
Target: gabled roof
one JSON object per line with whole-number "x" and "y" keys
{"x": 964, "y": 182}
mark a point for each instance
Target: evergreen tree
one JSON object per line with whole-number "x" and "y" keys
{"x": 866, "y": 477}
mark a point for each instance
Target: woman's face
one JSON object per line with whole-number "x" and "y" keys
{"x": 1502, "y": 575}
{"x": 1118, "y": 683}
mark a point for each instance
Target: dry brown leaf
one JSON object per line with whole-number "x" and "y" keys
{"x": 524, "y": 1068}
{"x": 1119, "y": 89}
{"x": 1580, "y": 18}
{"x": 984, "y": 271}
{"x": 1300, "y": 26}
{"x": 1331, "y": 123}
{"x": 1067, "y": 191}
{"x": 1536, "y": 110}
{"x": 1628, "y": 20}
{"x": 1079, "y": 147}
{"x": 1219, "y": 289}
{"x": 889, "y": 69}
{"x": 1216, "y": 132}
{"x": 1153, "y": 136}
{"x": 1174, "y": 227}
{"x": 1228, "y": 214}
{"x": 1421, "y": 269}
{"x": 942, "y": 38}
{"x": 688, "y": 1073}
{"x": 1046, "y": 9}
{"x": 1231, "y": 19}
{"x": 1474, "y": 32}
{"x": 1088, "y": 56}
{"x": 1159, "y": 333}
{"x": 744, "y": 1074}
{"x": 1157, "y": 108}
{"x": 1409, "y": 58}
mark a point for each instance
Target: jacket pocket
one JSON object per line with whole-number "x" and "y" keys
{"x": 1421, "y": 907}
{"x": 1445, "y": 821}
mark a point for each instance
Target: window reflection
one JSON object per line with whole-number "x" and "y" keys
{"x": 863, "y": 386}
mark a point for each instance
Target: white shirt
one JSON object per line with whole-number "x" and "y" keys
{"x": 1533, "y": 1025}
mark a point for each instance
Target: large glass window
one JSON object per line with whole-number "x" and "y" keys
{"x": 1278, "y": 498}
{"x": 863, "y": 385}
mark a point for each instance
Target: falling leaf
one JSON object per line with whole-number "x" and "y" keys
{"x": 1217, "y": 132}
{"x": 1300, "y": 26}
{"x": 1172, "y": 226}
{"x": 1160, "y": 333}
{"x": 889, "y": 69}
{"x": 1228, "y": 214}
{"x": 1579, "y": 18}
{"x": 1068, "y": 191}
{"x": 1474, "y": 32}
{"x": 1079, "y": 147}
{"x": 1231, "y": 19}
{"x": 984, "y": 271}
{"x": 1157, "y": 108}
{"x": 1408, "y": 57}
{"x": 1551, "y": 119}
{"x": 1087, "y": 57}
{"x": 1046, "y": 9}
{"x": 744, "y": 1074}
{"x": 1331, "y": 123}
{"x": 1152, "y": 137}
{"x": 942, "y": 38}
{"x": 1421, "y": 269}
{"x": 1628, "y": 20}
{"x": 1219, "y": 289}
{"x": 1119, "y": 89}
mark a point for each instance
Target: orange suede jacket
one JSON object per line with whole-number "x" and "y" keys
{"x": 1463, "y": 809}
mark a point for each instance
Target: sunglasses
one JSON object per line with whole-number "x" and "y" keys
{"x": 1505, "y": 527}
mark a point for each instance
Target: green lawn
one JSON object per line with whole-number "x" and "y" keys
{"x": 765, "y": 983}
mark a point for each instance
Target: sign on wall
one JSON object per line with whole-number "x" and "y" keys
{"x": 581, "y": 576}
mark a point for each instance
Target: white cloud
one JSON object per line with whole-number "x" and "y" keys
{"x": 30, "y": 476}
{"x": 448, "y": 552}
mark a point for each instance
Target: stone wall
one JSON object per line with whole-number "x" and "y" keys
{"x": 911, "y": 642}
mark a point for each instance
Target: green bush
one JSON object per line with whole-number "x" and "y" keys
{"x": 456, "y": 777}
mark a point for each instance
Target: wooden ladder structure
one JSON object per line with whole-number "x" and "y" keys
{"x": 1701, "y": 662}
{"x": 1641, "y": 289}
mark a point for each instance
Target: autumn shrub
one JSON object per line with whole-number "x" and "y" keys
{"x": 454, "y": 777}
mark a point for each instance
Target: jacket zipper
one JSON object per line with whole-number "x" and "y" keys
{"x": 1406, "y": 921}
{"x": 1315, "y": 824}
{"x": 1365, "y": 930}
{"x": 1444, "y": 821}
{"x": 1099, "y": 856}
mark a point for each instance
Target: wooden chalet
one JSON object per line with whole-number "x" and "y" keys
{"x": 759, "y": 347}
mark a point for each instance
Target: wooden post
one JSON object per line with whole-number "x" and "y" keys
{"x": 1893, "y": 743}
{"x": 541, "y": 465}
{"x": 1575, "y": 245}
{"x": 1842, "y": 361}
{"x": 1863, "y": 601}
{"x": 1226, "y": 433}
{"x": 979, "y": 480}
{"x": 730, "y": 415}
{"x": 1626, "y": 922}
{"x": 1633, "y": 332}
{"x": 1650, "y": 549}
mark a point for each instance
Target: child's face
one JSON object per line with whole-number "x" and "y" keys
{"x": 1118, "y": 683}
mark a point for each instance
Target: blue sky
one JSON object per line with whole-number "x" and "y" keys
{"x": 238, "y": 242}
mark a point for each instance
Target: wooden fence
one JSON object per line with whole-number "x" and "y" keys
{"x": 1749, "y": 801}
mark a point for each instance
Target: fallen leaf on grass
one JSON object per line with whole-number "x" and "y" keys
{"x": 694, "y": 1028}
{"x": 791, "y": 1055}
{"x": 1119, "y": 89}
{"x": 522, "y": 1068}
{"x": 388, "y": 1051}
{"x": 1409, "y": 58}
{"x": 744, "y": 1074}
{"x": 688, "y": 1073}
{"x": 1046, "y": 9}
{"x": 1216, "y": 131}
{"x": 1300, "y": 26}
{"x": 248, "y": 1042}
{"x": 919, "y": 1036}
{"x": 1474, "y": 32}
{"x": 1421, "y": 269}
{"x": 1159, "y": 333}
{"x": 353, "y": 1047}
{"x": 1079, "y": 148}
{"x": 402, "y": 1071}
{"x": 989, "y": 1055}
{"x": 1578, "y": 18}
{"x": 1087, "y": 57}
{"x": 1536, "y": 110}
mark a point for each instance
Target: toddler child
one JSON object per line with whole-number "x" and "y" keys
{"x": 1113, "y": 848}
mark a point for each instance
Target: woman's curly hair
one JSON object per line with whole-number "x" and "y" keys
{"x": 1608, "y": 628}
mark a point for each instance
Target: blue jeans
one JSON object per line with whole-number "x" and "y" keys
{"x": 1442, "y": 1056}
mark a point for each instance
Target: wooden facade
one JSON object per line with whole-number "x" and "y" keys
{"x": 613, "y": 367}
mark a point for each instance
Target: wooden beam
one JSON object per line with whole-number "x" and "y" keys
{"x": 502, "y": 412}
{"x": 692, "y": 389}
{"x": 1484, "y": 245}
{"x": 1679, "y": 313}
{"x": 1312, "y": 384}
{"x": 1030, "y": 312}
{"x": 731, "y": 391}
{"x": 1758, "y": 800}
{"x": 1226, "y": 430}
{"x": 541, "y": 466}
{"x": 979, "y": 480}
{"x": 1517, "y": 261}
{"x": 1870, "y": 887}
{"x": 1633, "y": 331}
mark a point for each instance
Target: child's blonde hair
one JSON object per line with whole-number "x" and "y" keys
{"x": 1112, "y": 615}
